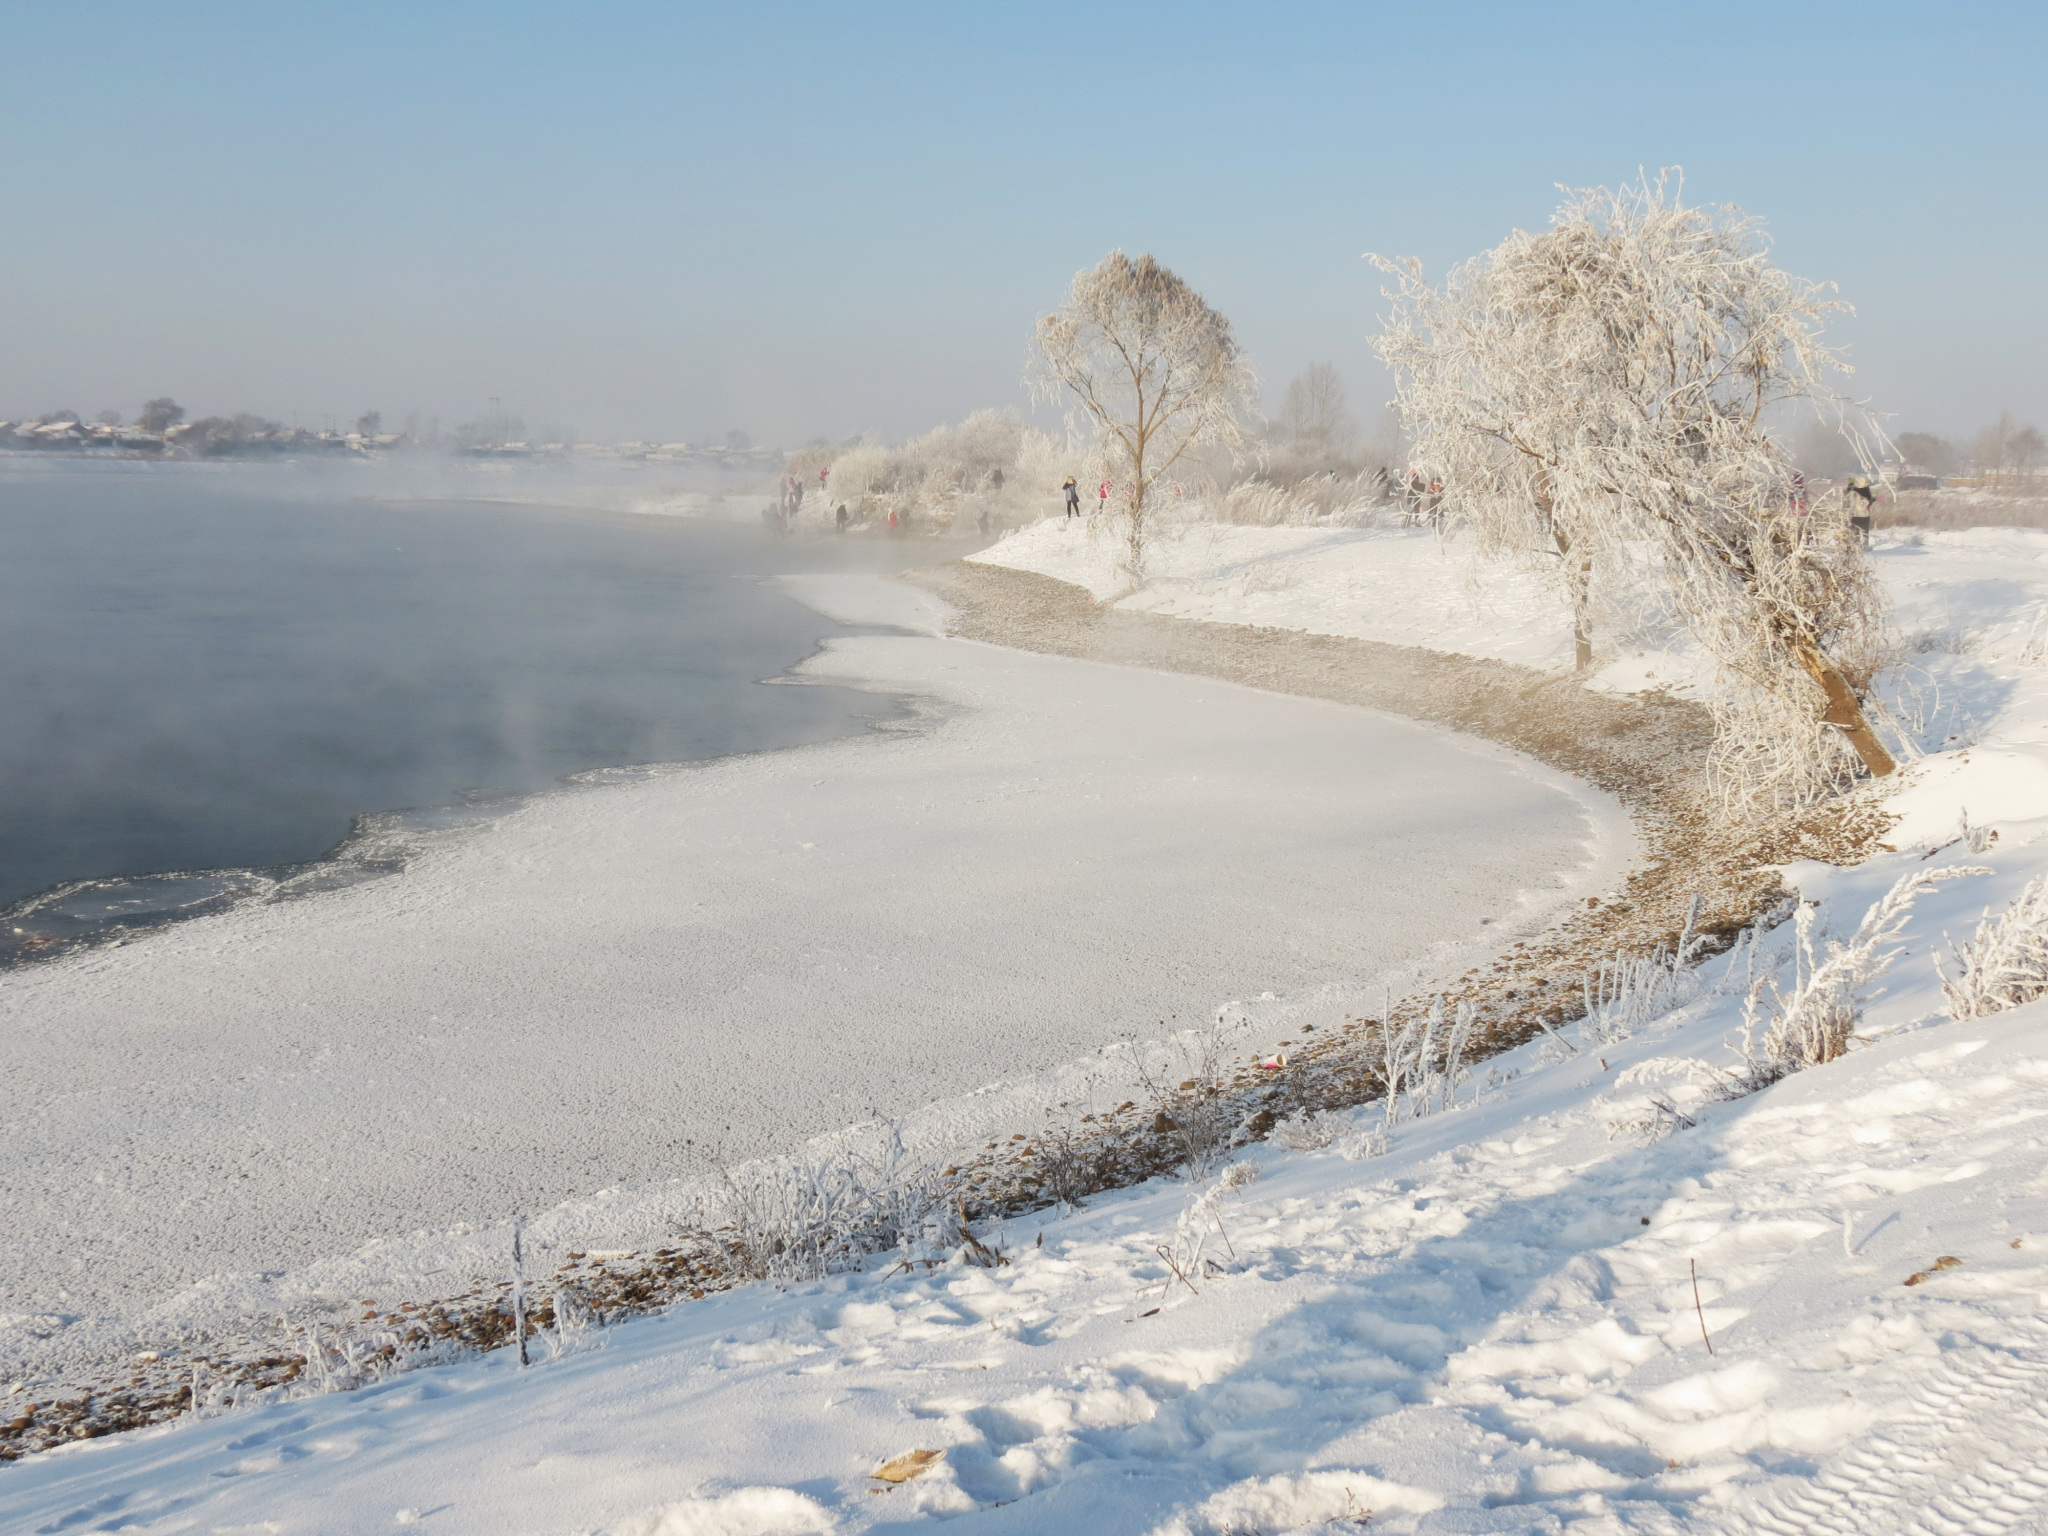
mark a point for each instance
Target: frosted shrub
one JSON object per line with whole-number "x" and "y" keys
{"x": 576, "y": 1326}
{"x": 341, "y": 1362}
{"x": 1072, "y": 1159}
{"x": 1423, "y": 1059}
{"x": 1812, "y": 1023}
{"x": 1310, "y": 1131}
{"x": 973, "y": 451}
{"x": 1189, "y": 1259}
{"x": 866, "y": 477}
{"x": 1624, "y": 995}
{"x": 1658, "y": 1118}
{"x": 1185, "y": 1083}
{"x": 1236, "y": 1176}
{"x": 1663, "y": 1112}
{"x": 790, "y": 1220}
{"x": 1354, "y": 501}
{"x": 1359, "y": 1146}
{"x": 2006, "y": 963}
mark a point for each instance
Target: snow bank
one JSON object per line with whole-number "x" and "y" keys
{"x": 742, "y": 954}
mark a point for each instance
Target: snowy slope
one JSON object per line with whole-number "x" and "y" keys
{"x": 1492, "y": 1327}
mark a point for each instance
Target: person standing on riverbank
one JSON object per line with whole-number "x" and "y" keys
{"x": 1073, "y": 490}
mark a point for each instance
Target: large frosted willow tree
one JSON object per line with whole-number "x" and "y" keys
{"x": 1600, "y": 392}
{"x": 1156, "y": 371}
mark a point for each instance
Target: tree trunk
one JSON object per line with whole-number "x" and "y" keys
{"x": 1578, "y": 587}
{"x": 1845, "y": 711}
{"x": 1137, "y": 530}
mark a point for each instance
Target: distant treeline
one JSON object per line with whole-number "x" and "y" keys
{"x": 162, "y": 431}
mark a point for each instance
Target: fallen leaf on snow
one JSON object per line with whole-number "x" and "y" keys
{"x": 901, "y": 1469}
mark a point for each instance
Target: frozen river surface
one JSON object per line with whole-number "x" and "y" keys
{"x": 745, "y": 953}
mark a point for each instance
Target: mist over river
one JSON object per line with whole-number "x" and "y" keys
{"x": 220, "y": 671}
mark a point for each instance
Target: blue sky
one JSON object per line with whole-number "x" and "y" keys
{"x": 671, "y": 220}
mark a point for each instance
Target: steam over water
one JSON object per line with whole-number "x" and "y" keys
{"x": 201, "y": 676}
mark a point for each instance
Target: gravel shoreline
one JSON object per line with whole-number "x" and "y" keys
{"x": 1648, "y": 750}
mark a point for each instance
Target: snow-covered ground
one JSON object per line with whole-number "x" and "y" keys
{"x": 1490, "y": 1327}
{"x": 741, "y": 954}
{"x": 1539, "y": 1309}
{"x": 1976, "y": 591}
{"x": 1403, "y": 586}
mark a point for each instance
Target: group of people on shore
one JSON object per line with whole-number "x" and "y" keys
{"x": 780, "y": 516}
{"x": 1859, "y": 501}
{"x": 1422, "y": 500}
{"x": 1071, "y": 489}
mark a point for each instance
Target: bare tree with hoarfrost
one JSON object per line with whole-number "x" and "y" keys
{"x": 1597, "y": 396}
{"x": 1156, "y": 371}
{"x": 1314, "y": 410}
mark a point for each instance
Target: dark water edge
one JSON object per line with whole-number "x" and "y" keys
{"x": 298, "y": 676}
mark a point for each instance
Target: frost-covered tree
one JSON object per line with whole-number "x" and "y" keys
{"x": 2025, "y": 449}
{"x": 1153, "y": 368}
{"x": 1928, "y": 453}
{"x": 1598, "y": 397}
{"x": 2007, "y": 447}
{"x": 1314, "y": 409}
{"x": 1988, "y": 450}
{"x": 989, "y": 467}
{"x": 160, "y": 414}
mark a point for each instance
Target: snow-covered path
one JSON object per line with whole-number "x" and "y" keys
{"x": 1491, "y": 1328}
{"x": 749, "y": 952}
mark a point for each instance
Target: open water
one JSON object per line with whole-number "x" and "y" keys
{"x": 226, "y": 672}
